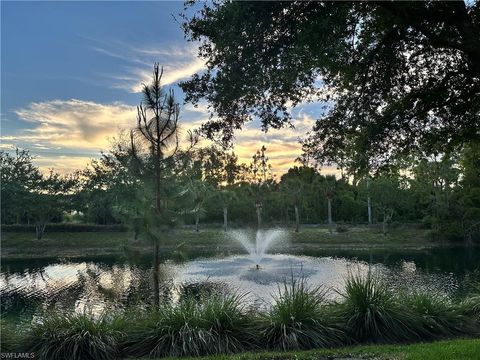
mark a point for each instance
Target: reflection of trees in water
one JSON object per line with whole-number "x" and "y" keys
{"x": 97, "y": 286}
{"x": 93, "y": 288}
{"x": 37, "y": 292}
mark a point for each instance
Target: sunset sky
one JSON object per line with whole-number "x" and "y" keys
{"x": 71, "y": 75}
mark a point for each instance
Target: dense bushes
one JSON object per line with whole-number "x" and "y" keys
{"x": 301, "y": 317}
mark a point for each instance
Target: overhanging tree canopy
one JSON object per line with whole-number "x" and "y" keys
{"x": 399, "y": 77}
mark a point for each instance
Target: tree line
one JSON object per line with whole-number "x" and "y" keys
{"x": 209, "y": 185}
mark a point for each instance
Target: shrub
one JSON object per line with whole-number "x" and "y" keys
{"x": 342, "y": 229}
{"x": 215, "y": 325}
{"x": 299, "y": 319}
{"x": 471, "y": 307}
{"x": 439, "y": 317}
{"x": 74, "y": 336}
{"x": 10, "y": 337}
{"x": 371, "y": 313}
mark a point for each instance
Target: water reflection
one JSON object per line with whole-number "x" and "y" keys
{"x": 29, "y": 289}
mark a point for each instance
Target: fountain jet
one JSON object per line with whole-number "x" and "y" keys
{"x": 264, "y": 239}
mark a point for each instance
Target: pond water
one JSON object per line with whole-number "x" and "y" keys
{"x": 35, "y": 286}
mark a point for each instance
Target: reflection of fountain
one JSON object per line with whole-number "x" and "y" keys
{"x": 264, "y": 239}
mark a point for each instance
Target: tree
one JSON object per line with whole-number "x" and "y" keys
{"x": 433, "y": 183}
{"x": 294, "y": 185}
{"x": 329, "y": 187}
{"x": 386, "y": 196}
{"x": 198, "y": 191}
{"x": 117, "y": 187}
{"x": 19, "y": 176}
{"x": 260, "y": 177}
{"x": 28, "y": 195}
{"x": 398, "y": 77}
{"x": 469, "y": 198}
{"x": 50, "y": 197}
{"x": 157, "y": 124}
{"x": 363, "y": 187}
{"x": 227, "y": 198}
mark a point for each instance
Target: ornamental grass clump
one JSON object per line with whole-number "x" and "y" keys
{"x": 10, "y": 336}
{"x": 213, "y": 325}
{"x": 470, "y": 307}
{"x": 372, "y": 313}
{"x": 74, "y": 337}
{"x": 300, "y": 319}
{"x": 439, "y": 318}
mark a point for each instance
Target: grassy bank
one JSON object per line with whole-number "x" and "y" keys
{"x": 461, "y": 349}
{"x": 23, "y": 245}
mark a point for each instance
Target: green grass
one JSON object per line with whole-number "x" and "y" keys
{"x": 462, "y": 349}
{"x": 98, "y": 244}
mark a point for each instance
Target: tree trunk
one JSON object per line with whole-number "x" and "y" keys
{"x": 136, "y": 225}
{"x": 330, "y": 222}
{"x": 156, "y": 274}
{"x": 156, "y": 256}
{"x": 40, "y": 230}
{"x": 369, "y": 204}
{"x": 197, "y": 220}
{"x": 225, "y": 219}
{"x": 259, "y": 216}
{"x": 384, "y": 224}
{"x": 297, "y": 219}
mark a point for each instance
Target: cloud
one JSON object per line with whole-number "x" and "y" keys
{"x": 172, "y": 72}
{"x": 73, "y": 123}
{"x": 283, "y": 145}
{"x": 179, "y": 62}
{"x": 67, "y": 133}
{"x": 62, "y": 164}
{"x": 7, "y": 146}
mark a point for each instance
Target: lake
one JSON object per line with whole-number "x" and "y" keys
{"x": 32, "y": 287}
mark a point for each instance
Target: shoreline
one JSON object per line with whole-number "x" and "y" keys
{"x": 18, "y": 246}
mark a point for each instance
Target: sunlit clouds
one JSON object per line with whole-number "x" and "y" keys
{"x": 178, "y": 63}
{"x": 74, "y": 123}
{"x": 85, "y": 128}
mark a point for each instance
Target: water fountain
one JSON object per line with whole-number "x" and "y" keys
{"x": 264, "y": 240}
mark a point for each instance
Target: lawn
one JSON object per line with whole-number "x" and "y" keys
{"x": 463, "y": 349}
{"x": 91, "y": 244}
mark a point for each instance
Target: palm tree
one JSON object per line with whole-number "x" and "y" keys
{"x": 227, "y": 197}
{"x": 292, "y": 189}
{"x": 198, "y": 191}
{"x": 329, "y": 185}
